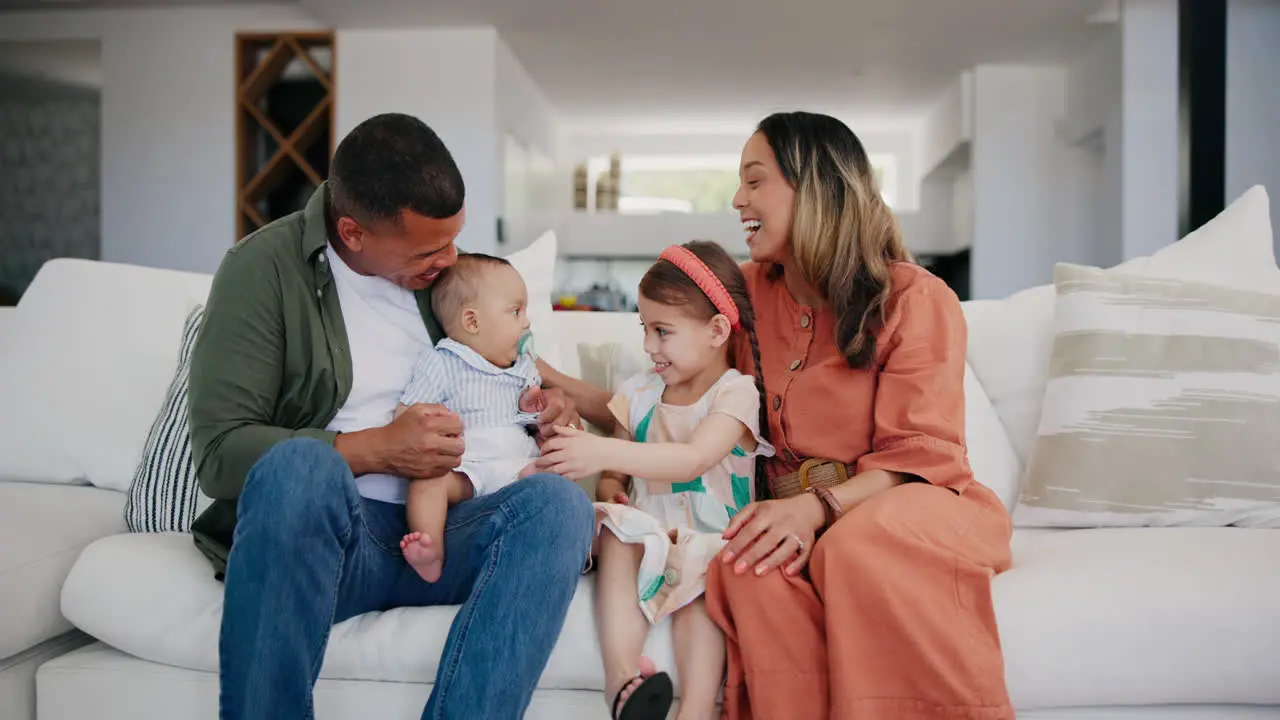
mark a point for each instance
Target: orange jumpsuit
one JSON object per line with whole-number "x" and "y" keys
{"x": 894, "y": 619}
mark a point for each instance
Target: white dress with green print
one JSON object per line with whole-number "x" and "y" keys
{"x": 680, "y": 524}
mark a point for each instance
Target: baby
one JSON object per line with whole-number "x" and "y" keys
{"x": 481, "y": 372}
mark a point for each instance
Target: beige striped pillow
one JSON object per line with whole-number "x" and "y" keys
{"x": 1162, "y": 406}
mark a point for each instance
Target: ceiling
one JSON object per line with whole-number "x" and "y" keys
{"x": 600, "y": 61}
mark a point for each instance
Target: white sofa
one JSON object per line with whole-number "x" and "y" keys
{"x": 1103, "y": 624}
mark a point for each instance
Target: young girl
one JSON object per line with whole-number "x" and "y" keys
{"x": 680, "y": 466}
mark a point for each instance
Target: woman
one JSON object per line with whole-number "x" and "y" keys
{"x": 870, "y": 599}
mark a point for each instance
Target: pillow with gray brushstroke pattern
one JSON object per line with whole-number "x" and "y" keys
{"x": 1162, "y": 406}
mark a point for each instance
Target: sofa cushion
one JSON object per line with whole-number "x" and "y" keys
{"x": 86, "y": 364}
{"x": 1141, "y": 616}
{"x": 153, "y": 596}
{"x": 991, "y": 457}
{"x": 164, "y": 495}
{"x": 590, "y": 338}
{"x": 1087, "y": 617}
{"x": 1010, "y": 340}
{"x": 1162, "y": 406}
{"x": 43, "y": 528}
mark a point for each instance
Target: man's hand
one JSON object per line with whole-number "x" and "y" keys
{"x": 557, "y": 411}
{"x": 424, "y": 441}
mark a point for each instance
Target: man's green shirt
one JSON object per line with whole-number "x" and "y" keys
{"x": 271, "y": 361}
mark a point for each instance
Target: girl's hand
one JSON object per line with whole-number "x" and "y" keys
{"x": 764, "y": 535}
{"x": 574, "y": 454}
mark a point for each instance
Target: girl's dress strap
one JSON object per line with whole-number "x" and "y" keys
{"x": 642, "y": 393}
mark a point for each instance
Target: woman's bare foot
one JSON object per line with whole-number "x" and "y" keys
{"x": 423, "y": 555}
{"x": 622, "y": 688}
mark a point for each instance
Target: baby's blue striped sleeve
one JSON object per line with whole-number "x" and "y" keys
{"x": 429, "y": 379}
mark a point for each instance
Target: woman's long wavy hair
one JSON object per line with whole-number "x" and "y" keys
{"x": 843, "y": 235}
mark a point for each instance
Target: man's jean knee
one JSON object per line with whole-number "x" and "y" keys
{"x": 309, "y": 552}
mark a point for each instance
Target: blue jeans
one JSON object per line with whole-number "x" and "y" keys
{"x": 309, "y": 552}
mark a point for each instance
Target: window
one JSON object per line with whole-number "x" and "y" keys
{"x": 695, "y": 183}
{"x": 673, "y": 183}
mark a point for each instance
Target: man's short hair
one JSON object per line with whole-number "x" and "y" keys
{"x": 460, "y": 284}
{"x": 390, "y": 163}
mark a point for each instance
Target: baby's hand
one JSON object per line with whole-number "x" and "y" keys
{"x": 533, "y": 400}
{"x": 611, "y": 490}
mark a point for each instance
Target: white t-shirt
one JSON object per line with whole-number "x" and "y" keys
{"x": 386, "y": 335}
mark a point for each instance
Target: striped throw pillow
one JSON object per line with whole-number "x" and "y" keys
{"x": 1162, "y": 406}
{"x": 164, "y": 495}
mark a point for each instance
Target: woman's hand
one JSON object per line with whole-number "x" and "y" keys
{"x": 767, "y": 534}
{"x": 574, "y": 454}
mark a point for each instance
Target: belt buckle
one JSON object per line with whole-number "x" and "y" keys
{"x": 808, "y": 465}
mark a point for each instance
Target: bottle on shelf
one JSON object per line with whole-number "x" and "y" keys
{"x": 580, "y": 187}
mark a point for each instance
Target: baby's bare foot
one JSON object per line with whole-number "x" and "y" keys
{"x": 423, "y": 555}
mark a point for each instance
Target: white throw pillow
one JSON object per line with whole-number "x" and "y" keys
{"x": 991, "y": 457}
{"x": 165, "y": 496}
{"x": 1010, "y": 340}
{"x": 84, "y": 366}
{"x": 1162, "y": 406}
{"x": 609, "y": 365}
{"x": 537, "y": 265}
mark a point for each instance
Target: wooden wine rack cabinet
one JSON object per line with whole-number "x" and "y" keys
{"x": 284, "y": 122}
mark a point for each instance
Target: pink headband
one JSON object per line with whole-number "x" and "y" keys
{"x": 706, "y": 280}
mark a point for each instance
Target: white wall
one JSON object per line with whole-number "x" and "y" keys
{"x": 1092, "y": 124}
{"x": 446, "y": 77}
{"x": 1149, "y": 131}
{"x": 168, "y": 138}
{"x": 1122, "y": 116}
{"x": 943, "y": 223}
{"x": 1094, "y": 89}
{"x": 1025, "y": 179}
{"x": 1253, "y": 100}
{"x": 530, "y": 144}
{"x": 947, "y": 125}
{"x": 523, "y": 110}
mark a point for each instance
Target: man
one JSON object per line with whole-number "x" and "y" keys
{"x": 309, "y": 336}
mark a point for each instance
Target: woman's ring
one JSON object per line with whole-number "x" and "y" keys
{"x": 798, "y": 542}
